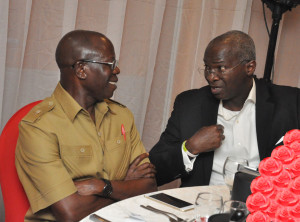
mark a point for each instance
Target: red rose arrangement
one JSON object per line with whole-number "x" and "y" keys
{"x": 276, "y": 192}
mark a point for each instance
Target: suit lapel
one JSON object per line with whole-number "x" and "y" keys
{"x": 210, "y": 111}
{"x": 264, "y": 113}
{"x": 208, "y": 117}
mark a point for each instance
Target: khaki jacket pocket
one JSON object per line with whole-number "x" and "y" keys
{"x": 116, "y": 143}
{"x": 79, "y": 160}
{"x": 116, "y": 157}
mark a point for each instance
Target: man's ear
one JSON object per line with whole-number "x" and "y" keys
{"x": 251, "y": 66}
{"x": 79, "y": 71}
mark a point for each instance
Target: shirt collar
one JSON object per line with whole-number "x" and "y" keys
{"x": 252, "y": 94}
{"x": 251, "y": 98}
{"x": 71, "y": 106}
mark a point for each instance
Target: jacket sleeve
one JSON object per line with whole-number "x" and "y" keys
{"x": 166, "y": 155}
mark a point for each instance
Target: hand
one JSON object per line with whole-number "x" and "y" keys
{"x": 206, "y": 139}
{"x": 89, "y": 187}
{"x": 136, "y": 171}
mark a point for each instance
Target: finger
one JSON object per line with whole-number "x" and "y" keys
{"x": 142, "y": 173}
{"x": 143, "y": 166}
{"x": 146, "y": 170}
{"x": 152, "y": 170}
{"x": 152, "y": 165}
{"x": 138, "y": 159}
{"x": 150, "y": 175}
{"x": 146, "y": 165}
{"x": 220, "y": 127}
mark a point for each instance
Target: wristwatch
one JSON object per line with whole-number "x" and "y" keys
{"x": 107, "y": 190}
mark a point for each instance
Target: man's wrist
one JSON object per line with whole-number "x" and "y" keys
{"x": 186, "y": 150}
{"x": 107, "y": 189}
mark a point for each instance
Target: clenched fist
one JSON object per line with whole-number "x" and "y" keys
{"x": 206, "y": 139}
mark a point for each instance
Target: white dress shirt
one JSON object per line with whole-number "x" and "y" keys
{"x": 240, "y": 138}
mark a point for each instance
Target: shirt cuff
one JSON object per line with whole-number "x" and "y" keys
{"x": 188, "y": 163}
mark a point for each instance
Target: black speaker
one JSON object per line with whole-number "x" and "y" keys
{"x": 242, "y": 181}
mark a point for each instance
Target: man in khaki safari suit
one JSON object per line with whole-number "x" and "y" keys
{"x": 79, "y": 151}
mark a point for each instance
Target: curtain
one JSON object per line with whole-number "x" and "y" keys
{"x": 160, "y": 45}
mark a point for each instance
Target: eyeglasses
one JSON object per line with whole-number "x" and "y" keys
{"x": 112, "y": 65}
{"x": 219, "y": 70}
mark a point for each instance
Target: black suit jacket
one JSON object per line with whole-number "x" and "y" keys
{"x": 277, "y": 111}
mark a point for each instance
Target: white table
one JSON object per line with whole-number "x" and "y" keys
{"x": 121, "y": 211}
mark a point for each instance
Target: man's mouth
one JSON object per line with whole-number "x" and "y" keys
{"x": 215, "y": 90}
{"x": 113, "y": 83}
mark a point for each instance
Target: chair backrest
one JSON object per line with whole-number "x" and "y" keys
{"x": 15, "y": 200}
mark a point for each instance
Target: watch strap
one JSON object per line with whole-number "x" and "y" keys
{"x": 107, "y": 190}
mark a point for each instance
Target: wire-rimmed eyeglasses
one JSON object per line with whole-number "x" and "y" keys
{"x": 219, "y": 70}
{"x": 112, "y": 65}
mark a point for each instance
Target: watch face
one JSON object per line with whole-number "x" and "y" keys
{"x": 107, "y": 190}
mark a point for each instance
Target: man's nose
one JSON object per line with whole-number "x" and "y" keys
{"x": 117, "y": 70}
{"x": 212, "y": 76}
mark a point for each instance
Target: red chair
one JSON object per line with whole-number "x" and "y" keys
{"x": 15, "y": 200}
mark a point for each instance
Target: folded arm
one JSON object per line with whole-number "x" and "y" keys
{"x": 77, "y": 206}
{"x": 139, "y": 179}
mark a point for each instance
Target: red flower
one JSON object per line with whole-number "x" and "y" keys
{"x": 295, "y": 212}
{"x": 270, "y": 167}
{"x": 284, "y": 154}
{"x": 283, "y": 215}
{"x": 276, "y": 193}
{"x": 272, "y": 209}
{"x": 258, "y": 217}
{"x": 287, "y": 199}
{"x": 294, "y": 186}
{"x": 257, "y": 202}
{"x": 295, "y": 168}
{"x": 290, "y": 136}
{"x": 282, "y": 180}
{"x": 295, "y": 146}
{"x": 263, "y": 185}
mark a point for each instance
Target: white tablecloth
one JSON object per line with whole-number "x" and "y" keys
{"x": 122, "y": 211}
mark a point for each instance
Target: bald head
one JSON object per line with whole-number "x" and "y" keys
{"x": 78, "y": 45}
{"x": 242, "y": 45}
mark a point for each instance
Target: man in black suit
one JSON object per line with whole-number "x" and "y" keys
{"x": 235, "y": 115}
